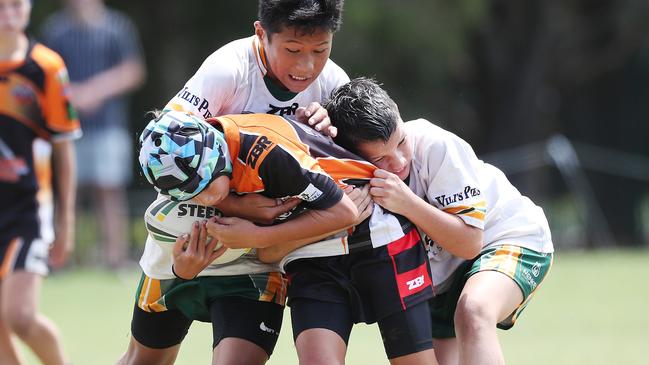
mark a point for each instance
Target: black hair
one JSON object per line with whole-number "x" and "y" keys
{"x": 305, "y": 16}
{"x": 363, "y": 112}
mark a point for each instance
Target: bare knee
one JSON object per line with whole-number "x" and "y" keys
{"x": 472, "y": 316}
{"x": 138, "y": 354}
{"x": 318, "y": 346}
{"x": 19, "y": 320}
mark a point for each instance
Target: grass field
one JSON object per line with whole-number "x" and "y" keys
{"x": 593, "y": 309}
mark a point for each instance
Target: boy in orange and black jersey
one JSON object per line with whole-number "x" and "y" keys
{"x": 37, "y": 126}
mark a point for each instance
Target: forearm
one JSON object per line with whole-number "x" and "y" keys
{"x": 64, "y": 162}
{"x": 118, "y": 80}
{"x": 309, "y": 226}
{"x": 276, "y": 252}
{"x": 447, "y": 230}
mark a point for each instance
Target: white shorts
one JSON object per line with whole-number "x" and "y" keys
{"x": 104, "y": 158}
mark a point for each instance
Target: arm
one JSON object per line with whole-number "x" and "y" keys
{"x": 122, "y": 78}
{"x": 448, "y": 230}
{"x": 364, "y": 205}
{"x": 238, "y": 233}
{"x": 65, "y": 167}
{"x": 192, "y": 252}
{"x": 256, "y": 207}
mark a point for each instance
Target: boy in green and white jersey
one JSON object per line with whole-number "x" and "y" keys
{"x": 489, "y": 246}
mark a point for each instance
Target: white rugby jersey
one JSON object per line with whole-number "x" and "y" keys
{"x": 447, "y": 174}
{"x": 232, "y": 81}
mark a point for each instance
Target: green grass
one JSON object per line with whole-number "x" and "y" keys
{"x": 592, "y": 309}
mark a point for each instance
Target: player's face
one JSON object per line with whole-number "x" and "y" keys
{"x": 14, "y": 16}
{"x": 215, "y": 192}
{"x": 294, "y": 59}
{"x": 394, "y": 155}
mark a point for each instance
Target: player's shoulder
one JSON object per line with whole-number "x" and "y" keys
{"x": 47, "y": 59}
{"x": 234, "y": 55}
{"x": 118, "y": 20}
{"x": 333, "y": 75}
{"x": 428, "y": 136}
{"x": 425, "y": 130}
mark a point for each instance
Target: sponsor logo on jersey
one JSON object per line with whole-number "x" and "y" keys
{"x": 311, "y": 193}
{"x": 416, "y": 282}
{"x": 283, "y": 110}
{"x": 467, "y": 193}
{"x": 262, "y": 144}
{"x": 23, "y": 95}
{"x": 201, "y": 103}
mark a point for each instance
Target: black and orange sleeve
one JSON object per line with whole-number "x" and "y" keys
{"x": 60, "y": 117}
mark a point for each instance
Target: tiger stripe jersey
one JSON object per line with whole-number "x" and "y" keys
{"x": 34, "y": 112}
{"x": 281, "y": 158}
{"x": 446, "y": 172}
{"x": 277, "y": 158}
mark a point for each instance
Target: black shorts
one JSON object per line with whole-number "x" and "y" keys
{"x": 373, "y": 283}
{"x": 23, "y": 250}
{"x": 255, "y": 321}
{"x": 405, "y": 332}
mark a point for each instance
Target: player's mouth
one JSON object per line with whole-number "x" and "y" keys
{"x": 298, "y": 78}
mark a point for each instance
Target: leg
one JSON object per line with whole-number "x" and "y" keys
{"x": 245, "y": 330}
{"x": 112, "y": 209}
{"x": 407, "y": 336}
{"x": 320, "y": 346}
{"x": 446, "y": 351}
{"x": 237, "y": 351}
{"x": 138, "y": 354}
{"x": 19, "y": 308}
{"x": 320, "y": 330}
{"x": 488, "y": 297}
{"x": 8, "y": 350}
{"x": 155, "y": 337}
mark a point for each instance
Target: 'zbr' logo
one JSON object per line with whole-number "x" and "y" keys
{"x": 260, "y": 146}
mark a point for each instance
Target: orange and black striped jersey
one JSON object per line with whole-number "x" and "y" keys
{"x": 280, "y": 158}
{"x": 33, "y": 107}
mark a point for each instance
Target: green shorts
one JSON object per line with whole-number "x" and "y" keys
{"x": 193, "y": 297}
{"x": 526, "y": 267}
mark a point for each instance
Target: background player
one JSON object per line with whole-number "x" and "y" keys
{"x": 490, "y": 247}
{"x": 38, "y": 127}
{"x": 101, "y": 49}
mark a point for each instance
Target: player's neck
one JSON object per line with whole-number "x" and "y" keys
{"x": 13, "y": 47}
{"x": 89, "y": 14}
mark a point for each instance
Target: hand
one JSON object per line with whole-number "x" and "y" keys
{"x": 317, "y": 117}
{"x": 234, "y": 232}
{"x": 193, "y": 253}
{"x": 362, "y": 199}
{"x": 85, "y": 98}
{"x": 62, "y": 246}
{"x": 390, "y": 192}
{"x": 257, "y": 208}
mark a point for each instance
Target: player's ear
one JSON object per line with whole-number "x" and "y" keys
{"x": 259, "y": 30}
